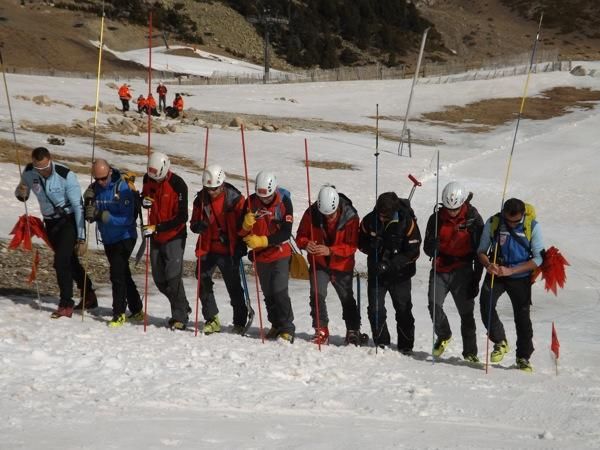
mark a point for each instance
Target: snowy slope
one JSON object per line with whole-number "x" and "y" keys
{"x": 73, "y": 384}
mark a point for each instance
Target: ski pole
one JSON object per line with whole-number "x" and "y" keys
{"x": 312, "y": 239}
{"x": 435, "y": 253}
{"x": 255, "y": 269}
{"x": 508, "y": 168}
{"x": 148, "y": 162}
{"x": 87, "y": 226}
{"x": 199, "y": 259}
{"x": 14, "y": 133}
{"x": 376, "y": 332}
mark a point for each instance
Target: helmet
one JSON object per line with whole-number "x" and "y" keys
{"x": 213, "y": 176}
{"x": 454, "y": 195}
{"x": 158, "y": 166}
{"x": 266, "y": 183}
{"x": 328, "y": 200}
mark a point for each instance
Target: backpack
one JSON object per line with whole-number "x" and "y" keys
{"x": 528, "y": 225}
{"x": 127, "y": 176}
{"x": 284, "y": 193}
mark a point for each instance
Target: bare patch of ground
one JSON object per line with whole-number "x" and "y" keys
{"x": 186, "y": 51}
{"x": 329, "y": 165}
{"x": 489, "y": 113}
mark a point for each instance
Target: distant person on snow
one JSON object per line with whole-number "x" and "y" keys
{"x": 59, "y": 195}
{"x": 457, "y": 268}
{"x": 151, "y": 106}
{"x": 161, "y": 90}
{"x": 177, "y": 108}
{"x": 141, "y": 104}
{"x": 125, "y": 96}
{"x": 520, "y": 248}
{"x": 216, "y": 215}
{"x": 332, "y": 222}
{"x": 111, "y": 203}
{"x": 165, "y": 194}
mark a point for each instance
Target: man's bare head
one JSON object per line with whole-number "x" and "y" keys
{"x": 101, "y": 170}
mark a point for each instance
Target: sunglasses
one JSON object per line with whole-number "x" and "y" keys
{"x": 41, "y": 169}
{"x": 211, "y": 189}
{"x": 513, "y": 221}
{"x": 102, "y": 178}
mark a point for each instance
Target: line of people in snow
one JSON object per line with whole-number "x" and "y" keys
{"x": 147, "y": 105}
{"x": 229, "y": 226}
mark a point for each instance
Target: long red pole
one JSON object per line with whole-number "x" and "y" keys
{"x": 148, "y": 160}
{"x": 200, "y": 236}
{"x": 312, "y": 238}
{"x": 260, "y": 321}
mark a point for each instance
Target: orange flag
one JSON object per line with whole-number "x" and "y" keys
{"x": 34, "y": 267}
{"x": 555, "y": 346}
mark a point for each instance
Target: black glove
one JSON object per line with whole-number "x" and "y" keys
{"x": 199, "y": 227}
{"x": 376, "y": 243}
{"x": 89, "y": 196}
{"x": 91, "y": 213}
{"x": 383, "y": 267}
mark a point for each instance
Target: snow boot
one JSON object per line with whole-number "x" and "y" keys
{"x": 285, "y": 336}
{"x": 136, "y": 317}
{"x": 91, "y": 301}
{"x": 62, "y": 311}
{"x": 117, "y": 321}
{"x": 272, "y": 333}
{"x": 500, "y": 349}
{"x": 440, "y": 346}
{"x": 212, "y": 326}
{"x": 176, "y": 325}
{"x": 524, "y": 365}
{"x": 321, "y": 336}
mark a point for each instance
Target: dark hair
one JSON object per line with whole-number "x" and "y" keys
{"x": 387, "y": 203}
{"x": 513, "y": 206}
{"x": 40, "y": 153}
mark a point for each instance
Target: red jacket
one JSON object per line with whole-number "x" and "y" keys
{"x": 341, "y": 236}
{"x": 169, "y": 212}
{"x": 223, "y": 216}
{"x": 275, "y": 222}
{"x": 124, "y": 92}
{"x": 161, "y": 90}
{"x": 151, "y": 102}
{"x": 178, "y": 103}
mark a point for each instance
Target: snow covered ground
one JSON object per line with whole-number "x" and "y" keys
{"x": 72, "y": 384}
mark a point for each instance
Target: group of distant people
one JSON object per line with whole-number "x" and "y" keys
{"x": 230, "y": 226}
{"x": 147, "y": 105}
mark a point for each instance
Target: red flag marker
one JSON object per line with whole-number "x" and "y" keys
{"x": 555, "y": 346}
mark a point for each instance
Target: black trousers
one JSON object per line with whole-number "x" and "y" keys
{"x": 274, "y": 278}
{"x": 230, "y": 270}
{"x": 400, "y": 291}
{"x": 62, "y": 233}
{"x": 519, "y": 293}
{"x": 124, "y": 290}
{"x": 125, "y": 103}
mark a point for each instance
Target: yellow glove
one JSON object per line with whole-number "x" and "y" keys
{"x": 253, "y": 241}
{"x": 148, "y": 230}
{"x": 249, "y": 221}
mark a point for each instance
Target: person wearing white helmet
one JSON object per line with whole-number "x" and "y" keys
{"x": 457, "y": 268}
{"x": 328, "y": 231}
{"x": 217, "y": 211}
{"x": 266, "y": 228}
{"x": 165, "y": 194}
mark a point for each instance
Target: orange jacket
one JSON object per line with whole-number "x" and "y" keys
{"x": 275, "y": 222}
{"x": 161, "y": 90}
{"x": 178, "y": 103}
{"x": 341, "y": 236}
{"x": 150, "y": 102}
{"x": 169, "y": 211}
{"x": 124, "y": 92}
{"x": 223, "y": 216}
{"x": 141, "y": 102}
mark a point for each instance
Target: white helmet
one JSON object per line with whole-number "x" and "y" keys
{"x": 158, "y": 166}
{"x": 454, "y": 195}
{"x": 213, "y": 176}
{"x": 266, "y": 184}
{"x": 328, "y": 200}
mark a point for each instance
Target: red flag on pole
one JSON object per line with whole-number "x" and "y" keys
{"x": 555, "y": 346}
{"x": 34, "y": 267}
